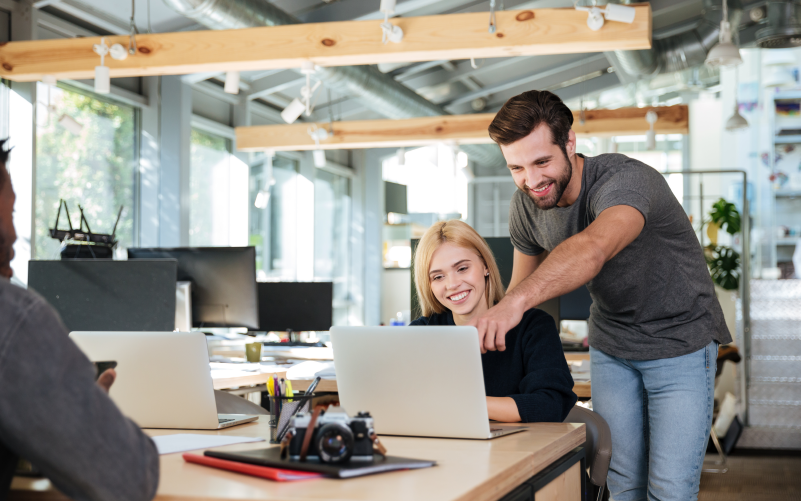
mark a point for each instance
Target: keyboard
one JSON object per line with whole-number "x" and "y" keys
{"x": 225, "y": 420}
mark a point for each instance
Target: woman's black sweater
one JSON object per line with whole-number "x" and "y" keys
{"x": 532, "y": 370}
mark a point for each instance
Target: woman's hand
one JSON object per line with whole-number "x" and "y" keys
{"x": 503, "y": 409}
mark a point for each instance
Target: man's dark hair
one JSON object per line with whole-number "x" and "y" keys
{"x": 3, "y": 159}
{"x": 522, "y": 114}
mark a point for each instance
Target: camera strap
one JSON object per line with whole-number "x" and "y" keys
{"x": 309, "y": 432}
{"x": 378, "y": 447}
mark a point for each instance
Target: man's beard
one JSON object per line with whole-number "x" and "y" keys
{"x": 559, "y": 187}
{"x": 6, "y": 255}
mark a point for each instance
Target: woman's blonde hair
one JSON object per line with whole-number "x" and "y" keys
{"x": 461, "y": 234}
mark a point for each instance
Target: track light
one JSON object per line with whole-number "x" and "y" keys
{"x": 70, "y": 124}
{"x": 293, "y": 111}
{"x": 612, "y": 12}
{"x": 296, "y": 108}
{"x": 231, "y": 82}
{"x": 102, "y": 74}
{"x": 725, "y": 53}
{"x": 390, "y": 32}
{"x": 318, "y": 134}
{"x": 319, "y": 158}
{"x": 650, "y": 137}
{"x": 263, "y": 196}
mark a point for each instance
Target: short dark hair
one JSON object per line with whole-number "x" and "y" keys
{"x": 523, "y": 113}
{"x": 3, "y": 159}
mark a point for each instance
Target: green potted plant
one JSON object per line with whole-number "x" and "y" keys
{"x": 723, "y": 261}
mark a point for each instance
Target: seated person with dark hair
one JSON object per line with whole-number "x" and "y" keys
{"x": 52, "y": 413}
{"x": 457, "y": 280}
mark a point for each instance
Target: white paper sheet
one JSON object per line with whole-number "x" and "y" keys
{"x": 182, "y": 442}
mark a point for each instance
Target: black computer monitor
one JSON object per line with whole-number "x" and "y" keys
{"x": 296, "y": 306}
{"x": 223, "y": 282}
{"x": 105, "y": 295}
{"x": 575, "y": 305}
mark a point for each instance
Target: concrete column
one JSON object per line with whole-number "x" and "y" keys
{"x": 176, "y": 115}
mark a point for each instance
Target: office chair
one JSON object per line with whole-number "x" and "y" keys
{"x": 228, "y": 403}
{"x": 598, "y": 445}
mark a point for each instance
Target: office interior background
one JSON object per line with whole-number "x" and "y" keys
{"x": 165, "y": 149}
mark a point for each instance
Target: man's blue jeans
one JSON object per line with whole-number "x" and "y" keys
{"x": 660, "y": 413}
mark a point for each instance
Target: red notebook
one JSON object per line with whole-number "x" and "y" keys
{"x": 276, "y": 474}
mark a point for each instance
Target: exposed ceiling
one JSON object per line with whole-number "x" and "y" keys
{"x": 455, "y": 85}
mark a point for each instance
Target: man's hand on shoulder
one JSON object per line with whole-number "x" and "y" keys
{"x": 496, "y": 322}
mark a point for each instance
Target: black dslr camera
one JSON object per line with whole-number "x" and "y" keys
{"x": 336, "y": 437}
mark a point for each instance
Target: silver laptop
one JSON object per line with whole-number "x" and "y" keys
{"x": 415, "y": 381}
{"x": 163, "y": 378}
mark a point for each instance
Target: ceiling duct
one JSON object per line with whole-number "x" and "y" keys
{"x": 682, "y": 50}
{"x": 783, "y": 29}
{"x": 379, "y": 92}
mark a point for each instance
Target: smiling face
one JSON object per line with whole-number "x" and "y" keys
{"x": 458, "y": 279}
{"x": 540, "y": 168}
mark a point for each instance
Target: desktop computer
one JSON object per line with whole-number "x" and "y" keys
{"x": 105, "y": 295}
{"x": 223, "y": 283}
{"x": 295, "y": 306}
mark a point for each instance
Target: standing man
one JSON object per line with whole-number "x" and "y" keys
{"x": 611, "y": 222}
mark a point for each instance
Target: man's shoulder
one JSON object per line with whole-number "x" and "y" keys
{"x": 17, "y": 303}
{"x": 608, "y": 164}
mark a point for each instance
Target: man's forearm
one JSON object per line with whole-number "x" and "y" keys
{"x": 572, "y": 264}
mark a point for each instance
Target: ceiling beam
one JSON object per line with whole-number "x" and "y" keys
{"x": 453, "y": 36}
{"x": 463, "y": 129}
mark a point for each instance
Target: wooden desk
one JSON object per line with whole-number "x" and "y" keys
{"x": 582, "y": 390}
{"x": 466, "y": 470}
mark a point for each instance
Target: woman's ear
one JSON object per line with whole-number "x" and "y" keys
{"x": 486, "y": 272}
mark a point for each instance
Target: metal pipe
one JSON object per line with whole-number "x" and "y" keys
{"x": 682, "y": 50}
{"x": 380, "y": 92}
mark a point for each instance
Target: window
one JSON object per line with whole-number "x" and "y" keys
{"x": 273, "y": 225}
{"x": 86, "y": 154}
{"x": 218, "y": 184}
{"x": 332, "y": 209}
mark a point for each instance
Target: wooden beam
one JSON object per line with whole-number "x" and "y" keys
{"x": 428, "y": 38}
{"x": 463, "y": 129}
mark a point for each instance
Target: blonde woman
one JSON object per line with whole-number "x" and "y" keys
{"x": 457, "y": 280}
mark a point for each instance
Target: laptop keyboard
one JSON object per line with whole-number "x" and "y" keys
{"x": 225, "y": 420}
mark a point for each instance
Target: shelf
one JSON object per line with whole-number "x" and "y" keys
{"x": 788, "y": 95}
{"x": 796, "y": 138}
{"x": 787, "y": 242}
{"x": 787, "y": 193}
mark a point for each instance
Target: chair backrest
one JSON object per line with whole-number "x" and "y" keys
{"x": 228, "y": 403}
{"x": 599, "y": 442}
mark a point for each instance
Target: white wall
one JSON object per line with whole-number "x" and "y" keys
{"x": 396, "y": 293}
{"x": 706, "y": 123}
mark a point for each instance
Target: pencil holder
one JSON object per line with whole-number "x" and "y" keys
{"x": 281, "y": 411}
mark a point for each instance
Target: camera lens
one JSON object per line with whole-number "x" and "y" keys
{"x": 335, "y": 443}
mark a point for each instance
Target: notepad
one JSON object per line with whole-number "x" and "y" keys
{"x": 182, "y": 442}
{"x": 277, "y": 474}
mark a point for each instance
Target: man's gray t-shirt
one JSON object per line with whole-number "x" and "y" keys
{"x": 655, "y": 298}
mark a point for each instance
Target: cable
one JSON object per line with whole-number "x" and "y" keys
{"x": 134, "y": 30}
